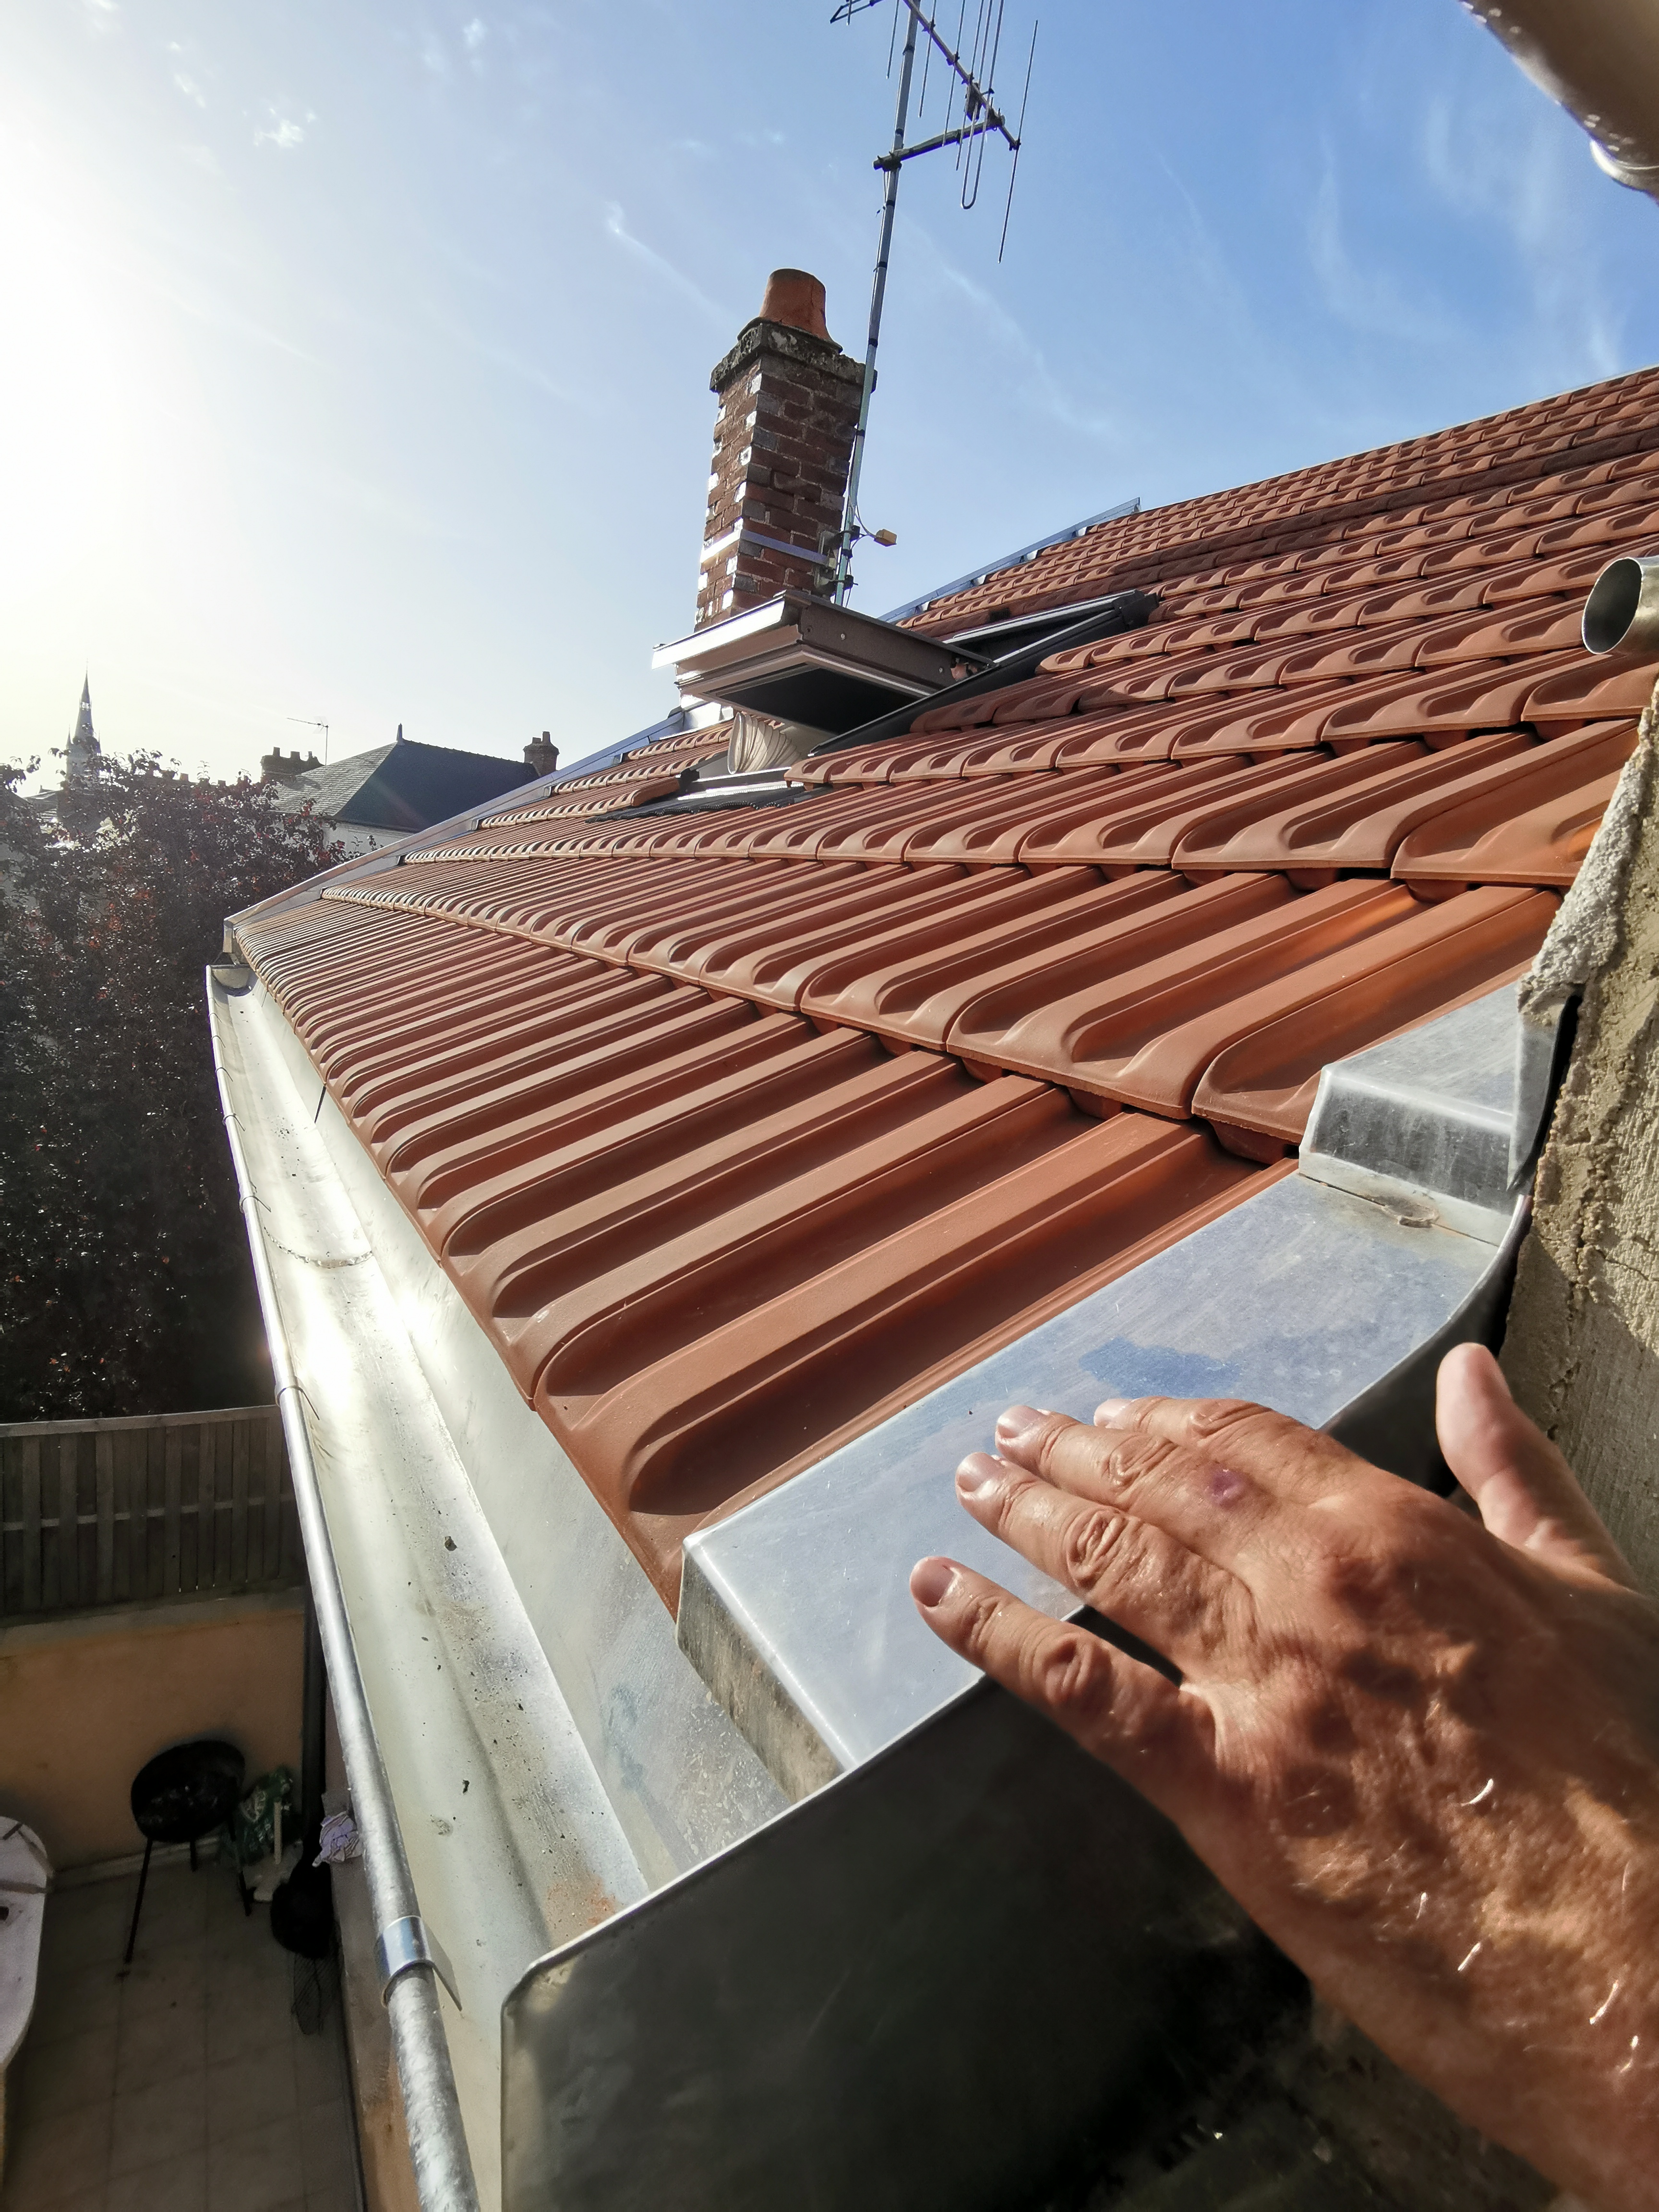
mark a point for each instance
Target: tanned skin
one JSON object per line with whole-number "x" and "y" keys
{"x": 1420, "y": 1747}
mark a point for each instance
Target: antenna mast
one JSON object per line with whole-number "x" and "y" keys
{"x": 306, "y": 722}
{"x": 980, "y": 118}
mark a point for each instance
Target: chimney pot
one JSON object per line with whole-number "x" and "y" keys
{"x": 795, "y": 299}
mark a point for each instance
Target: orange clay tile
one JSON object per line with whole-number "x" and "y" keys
{"x": 1504, "y": 633}
{"x": 1369, "y": 610}
{"x": 984, "y": 833}
{"x": 687, "y": 941}
{"x": 1144, "y": 831}
{"x": 1485, "y": 696}
{"x": 1124, "y": 736}
{"x": 1530, "y": 825}
{"x": 1258, "y": 1092}
{"x": 1590, "y": 686}
{"x": 1293, "y": 722}
{"x": 851, "y": 1294}
{"x": 916, "y": 1000}
{"x": 1340, "y": 816}
{"x": 1104, "y": 1026}
{"x": 1040, "y": 747}
{"x": 773, "y": 968}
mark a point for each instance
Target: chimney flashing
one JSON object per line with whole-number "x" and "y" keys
{"x": 758, "y": 337}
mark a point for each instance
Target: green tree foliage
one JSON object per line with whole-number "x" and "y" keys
{"x": 124, "y": 1283}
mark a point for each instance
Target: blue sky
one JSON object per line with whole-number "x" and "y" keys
{"x": 358, "y": 353}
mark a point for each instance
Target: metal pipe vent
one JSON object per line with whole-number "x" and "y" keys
{"x": 1621, "y": 614}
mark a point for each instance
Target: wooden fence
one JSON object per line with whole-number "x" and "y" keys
{"x": 162, "y": 1506}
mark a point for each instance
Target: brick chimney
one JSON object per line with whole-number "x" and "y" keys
{"x": 541, "y": 755}
{"x": 783, "y": 439}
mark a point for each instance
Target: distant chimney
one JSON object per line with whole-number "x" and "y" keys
{"x": 541, "y": 755}
{"x": 286, "y": 768}
{"x": 783, "y": 438}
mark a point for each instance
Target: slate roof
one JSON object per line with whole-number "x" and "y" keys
{"x": 741, "y": 1131}
{"x": 407, "y": 786}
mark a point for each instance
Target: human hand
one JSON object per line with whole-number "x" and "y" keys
{"x": 1422, "y": 1750}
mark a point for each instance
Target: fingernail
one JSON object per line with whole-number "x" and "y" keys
{"x": 978, "y": 1475}
{"x": 1111, "y": 1411}
{"x": 1017, "y": 1420}
{"x": 930, "y": 1579}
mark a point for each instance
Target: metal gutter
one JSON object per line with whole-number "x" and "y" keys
{"x": 408, "y": 1958}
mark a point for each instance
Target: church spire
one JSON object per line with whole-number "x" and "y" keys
{"x": 83, "y": 759}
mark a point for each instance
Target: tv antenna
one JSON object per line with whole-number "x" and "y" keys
{"x": 306, "y": 722}
{"x": 968, "y": 68}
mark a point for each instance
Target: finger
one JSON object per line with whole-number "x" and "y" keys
{"x": 1287, "y": 1458}
{"x": 1212, "y": 1510}
{"x": 1131, "y": 1571}
{"x": 1153, "y": 1734}
{"x": 1525, "y": 1493}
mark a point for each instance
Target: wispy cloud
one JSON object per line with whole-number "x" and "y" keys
{"x": 1043, "y": 391}
{"x": 1528, "y": 180}
{"x": 282, "y": 131}
{"x": 615, "y": 227}
{"x": 1365, "y": 298}
{"x": 474, "y": 33}
{"x": 101, "y": 15}
{"x": 184, "y": 80}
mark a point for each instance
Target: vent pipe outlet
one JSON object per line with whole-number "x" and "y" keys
{"x": 1621, "y": 614}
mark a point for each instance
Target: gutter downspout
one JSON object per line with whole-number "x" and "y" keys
{"x": 408, "y": 1960}
{"x": 1599, "y": 60}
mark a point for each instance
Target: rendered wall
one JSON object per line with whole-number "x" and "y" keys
{"x": 85, "y": 1701}
{"x": 1582, "y": 1353}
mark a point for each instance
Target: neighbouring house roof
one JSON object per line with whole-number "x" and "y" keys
{"x": 407, "y": 786}
{"x": 735, "y": 1133}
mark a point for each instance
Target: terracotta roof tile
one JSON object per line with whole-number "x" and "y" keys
{"x": 1529, "y": 823}
{"x": 1258, "y": 1092}
{"x": 1338, "y": 817}
{"x": 737, "y": 1130}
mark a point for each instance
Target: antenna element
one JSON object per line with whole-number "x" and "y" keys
{"x": 969, "y": 69}
{"x": 306, "y": 722}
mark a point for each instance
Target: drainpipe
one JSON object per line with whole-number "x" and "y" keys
{"x": 1599, "y": 59}
{"x": 409, "y": 1961}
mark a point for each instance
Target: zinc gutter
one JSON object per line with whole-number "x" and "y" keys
{"x": 533, "y": 1658}
{"x": 403, "y": 1949}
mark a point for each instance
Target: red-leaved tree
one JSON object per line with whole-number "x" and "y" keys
{"x": 125, "y": 1283}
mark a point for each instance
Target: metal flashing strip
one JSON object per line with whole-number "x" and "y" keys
{"x": 796, "y": 1609}
{"x": 1307, "y": 1296}
{"x": 741, "y": 534}
{"x": 946, "y": 1979}
{"x": 1424, "y": 1122}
